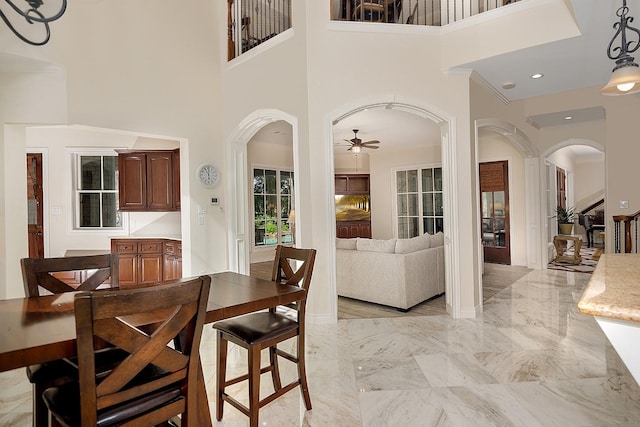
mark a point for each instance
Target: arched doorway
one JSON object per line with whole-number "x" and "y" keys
{"x": 574, "y": 178}
{"x": 448, "y": 147}
{"x": 529, "y": 231}
{"x": 240, "y": 231}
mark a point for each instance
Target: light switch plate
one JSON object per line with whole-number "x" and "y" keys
{"x": 624, "y": 204}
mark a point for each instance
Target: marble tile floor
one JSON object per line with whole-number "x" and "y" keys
{"x": 531, "y": 359}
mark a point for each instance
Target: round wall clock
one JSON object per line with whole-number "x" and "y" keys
{"x": 207, "y": 174}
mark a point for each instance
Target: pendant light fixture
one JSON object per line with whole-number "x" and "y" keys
{"x": 625, "y": 78}
{"x": 33, "y": 16}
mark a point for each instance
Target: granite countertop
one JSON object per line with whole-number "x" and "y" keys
{"x": 614, "y": 288}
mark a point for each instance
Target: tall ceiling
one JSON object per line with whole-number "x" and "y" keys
{"x": 569, "y": 64}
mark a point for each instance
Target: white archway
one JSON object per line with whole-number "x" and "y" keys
{"x": 237, "y": 188}
{"x": 446, "y": 122}
{"x": 542, "y": 171}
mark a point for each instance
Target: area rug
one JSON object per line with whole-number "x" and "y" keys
{"x": 589, "y": 256}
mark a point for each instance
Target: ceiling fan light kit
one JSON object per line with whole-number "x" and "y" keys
{"x": 357, "y": 144}
{"x": 625, "y": 78}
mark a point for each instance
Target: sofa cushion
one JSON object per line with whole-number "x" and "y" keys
{"x": 375, "y": 245}
{"x": 405, "y": 246}
{"x": 437, "y": 239}
{"x": 346, "y": 243}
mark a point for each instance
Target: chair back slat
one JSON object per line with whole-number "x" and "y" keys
{"x": 294, "y": 266}
{"x": 37, "y": 273}
{"x": 120, "y": 318}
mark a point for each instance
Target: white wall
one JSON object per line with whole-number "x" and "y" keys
{"x": 588, "y": 181}
{"x": 348, "y": 163}
{"x": 25, "y": 97}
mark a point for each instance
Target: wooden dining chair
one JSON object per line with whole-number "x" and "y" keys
{"x": 156, "y": 381}
{"x": 68, "y": 274}
{"x": 261, "y": 330}
{"x": 44, "y": 275}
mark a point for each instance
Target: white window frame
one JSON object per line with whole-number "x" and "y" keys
{"x": 420, "y": 191}
{"x": 76, "y": 156}
{"x": 278, "y": 170}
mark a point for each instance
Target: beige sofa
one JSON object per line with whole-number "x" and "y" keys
{"x": 397, "y": 272}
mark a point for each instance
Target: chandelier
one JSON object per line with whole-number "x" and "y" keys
{"x": 33, "y": 16}
{"x": 625, "y": 78}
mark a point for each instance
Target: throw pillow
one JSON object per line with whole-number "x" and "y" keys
{"x": 437, "y": 239}
{"x": 374, "y": 245}
{"x": 405, "y": 246}
{"x": 346, "y": 243}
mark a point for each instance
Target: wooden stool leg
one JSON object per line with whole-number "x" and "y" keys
{"x": 302, "y": 372}
{"x": 221, "y": 373}
{"x": 40, "y": 411}
{"x": 254, "y": 384}
{"x": 275, "y": 369}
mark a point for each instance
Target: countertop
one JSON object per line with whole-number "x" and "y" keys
{"x": 614, "y": 288}
{"x": 150, "y": 237}
{"x": 86, "y": 252}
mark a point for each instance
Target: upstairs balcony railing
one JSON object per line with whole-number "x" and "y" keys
{"x": 252, "y": 22}
{"x": 412, "y": 12}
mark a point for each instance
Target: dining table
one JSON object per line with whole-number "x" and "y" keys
{"x": 41, "y": 329}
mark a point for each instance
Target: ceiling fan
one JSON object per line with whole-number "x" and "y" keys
{"x": 357, "y": 145}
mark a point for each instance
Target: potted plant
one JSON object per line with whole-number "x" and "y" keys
{"x": 565, "y": 219}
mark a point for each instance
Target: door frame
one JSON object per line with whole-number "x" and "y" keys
{"x": 35, "y": 245}
{"x": 507, "y": 198}
{"x": 46, "y": 220}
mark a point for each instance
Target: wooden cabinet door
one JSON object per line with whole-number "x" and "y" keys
{"x": 169, "y": 267}
{"x": 132, "y": 188}
{"x": 149, "y": 268}
{"x": 128, "y": 269}
{"x": 160, "y": 181}
{"x": 149, "y": 261}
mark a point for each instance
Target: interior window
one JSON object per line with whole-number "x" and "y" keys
{"x": 96, "y": 189}
{"x": 419, "y": 202}
{"x": 273, "y": 207}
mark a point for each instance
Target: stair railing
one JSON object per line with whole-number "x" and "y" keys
{"x": 630, "y": 242}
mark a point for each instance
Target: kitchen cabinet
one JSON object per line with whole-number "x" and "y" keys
{"x": 351, "y": 229}
{"x": 149, "y": 180}
{"x": 352, "y": 184}
{"x": 141, "y": 261}
{"x": 172, "y": 258}
{"x": 353, "y": 216}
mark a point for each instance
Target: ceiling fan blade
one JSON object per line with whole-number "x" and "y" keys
{"x": 373, "y": 147}
{"x": 371, "y": 142}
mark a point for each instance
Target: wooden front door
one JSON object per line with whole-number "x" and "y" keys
{"x": 494, "y": 197}
{"x": 34, "y": 205}
{"x": 561, "y": 186}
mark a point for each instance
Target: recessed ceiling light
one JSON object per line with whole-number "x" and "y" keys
{"x": 568, "y": 117}
{"x": 537, "y": 76}
{"x": 508, "y": 85}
